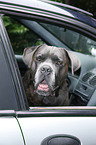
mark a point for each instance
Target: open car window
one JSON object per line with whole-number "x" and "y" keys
{"x": 26, "y": 33}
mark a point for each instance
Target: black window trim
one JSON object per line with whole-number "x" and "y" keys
{"x": 58, "y": 112}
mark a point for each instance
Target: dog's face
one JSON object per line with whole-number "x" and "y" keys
{"x": 50, "y": 67}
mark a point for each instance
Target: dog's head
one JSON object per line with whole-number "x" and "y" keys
{"x": 49, "y": 66}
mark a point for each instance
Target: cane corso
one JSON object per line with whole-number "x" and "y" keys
{"x": 45, "y": 81}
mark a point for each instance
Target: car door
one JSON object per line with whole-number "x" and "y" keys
{"x": 45, "y": 125}
{"x": 42, "y": 126}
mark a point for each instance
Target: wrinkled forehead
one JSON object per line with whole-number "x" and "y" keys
{"x": 50, "y": 51}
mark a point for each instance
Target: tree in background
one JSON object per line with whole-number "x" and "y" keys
{"x": 88, "y": 5}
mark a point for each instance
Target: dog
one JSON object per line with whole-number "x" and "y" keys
{"x": 45, "y": 81}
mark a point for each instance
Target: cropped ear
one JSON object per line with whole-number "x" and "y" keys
{"x": 28, "y": 55}
{"x": 73, "y": 60}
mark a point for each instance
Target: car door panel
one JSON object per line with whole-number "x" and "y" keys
{"x": 36, "y": 129}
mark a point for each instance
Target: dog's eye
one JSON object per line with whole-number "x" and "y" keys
{"x": 59, "y": 62}
{"x": 38, "y": 58}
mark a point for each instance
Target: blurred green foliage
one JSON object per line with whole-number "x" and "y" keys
{"x": 20, "y": 36}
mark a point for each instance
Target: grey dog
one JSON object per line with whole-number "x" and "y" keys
{"x": 45, "y": 81}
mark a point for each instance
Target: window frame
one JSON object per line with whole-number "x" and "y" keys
{"x": 13, "y": 70}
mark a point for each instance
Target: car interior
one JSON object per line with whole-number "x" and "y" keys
{"x": 81, "y": 85}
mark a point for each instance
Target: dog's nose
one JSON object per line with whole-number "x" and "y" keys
{"x": 46, "y": 70}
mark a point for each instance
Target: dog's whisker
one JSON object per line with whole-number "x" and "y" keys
{"x": 55, "y": 88}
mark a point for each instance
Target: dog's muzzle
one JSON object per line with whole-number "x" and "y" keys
{"x": 43, "y": 86}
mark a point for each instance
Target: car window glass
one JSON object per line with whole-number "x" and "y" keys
{"x": 74, "y": 40}
{"x": 7, "y": 92}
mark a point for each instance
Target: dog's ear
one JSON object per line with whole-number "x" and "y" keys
{"x": 74, "y": 62}
{"x": 28, "y": 55}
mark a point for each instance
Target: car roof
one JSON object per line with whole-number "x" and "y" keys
{"x": 54, "y": 7}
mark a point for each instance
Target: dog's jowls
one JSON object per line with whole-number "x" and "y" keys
{"x": 45, "y": 81}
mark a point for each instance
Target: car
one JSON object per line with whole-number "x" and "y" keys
{"x": 30, "y": 23}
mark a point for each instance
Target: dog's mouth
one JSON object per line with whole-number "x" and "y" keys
{"x": 43, "y": 86}
{"x": 43, "y": 89}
